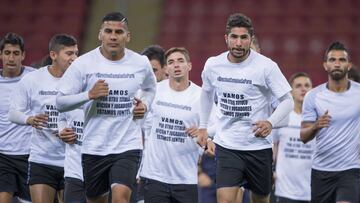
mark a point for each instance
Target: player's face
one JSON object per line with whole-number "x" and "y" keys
{"x": 238, "y": 42}
{"x": 177, "y": 65}
{"x": 158, "y": 70}
{"x": 12, "y": 56}
{"x": 114, "y": 35}
{"x": 337, "y": 64}
{"x": 65, "y": 57}
{"x": 300, "y": 86}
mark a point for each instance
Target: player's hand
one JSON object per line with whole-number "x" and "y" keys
{"x": 323, "y": 121}
{"x": 139, "y": 109}
{"x": 38, "y": 121}
{"x": 210, "y": 148}
{"x": 67, "y": 135}
{"x": 202, "y": 137}
{"x": 100, "y": 89}
{"x": 262, "y": 128}
{"x": 192, "y": 132}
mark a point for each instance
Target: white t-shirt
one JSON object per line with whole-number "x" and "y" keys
{"x": 171, "y": 154}
{"x": 109, "y": 127}
{"x": 74, "y": 119}
{"x": 37, "y": 93}
{"x": 294, "y": 159}
{"x": 14, "y": 138}
{"x": 244, "y": 93}
{"x": 337, "y": 146}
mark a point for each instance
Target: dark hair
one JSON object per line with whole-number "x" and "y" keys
{"x": 115, "y": 16}
{"x": 239, "y": 20}
{"x": 59, "y": 41}
{"x": 297, "y": 75}
{"x": 178, "y": 49}
{"x": 354, "y": 74}
{"x": 13, "y": 39}
{"x": 336, "y": 46}
{"x": 155, "y": 52}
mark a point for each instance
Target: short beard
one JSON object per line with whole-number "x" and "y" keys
{"x": 335, "y": 75}
{"x": 242, "y": 57}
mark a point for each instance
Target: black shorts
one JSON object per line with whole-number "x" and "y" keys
{"x": 100, "y": 172}
{"x": 46, "y": 174}
{"x": 74, "y": 191}
{"x": 13, "y": 175}
{"x": 334, "y": 186}
{"x": 156, "y": 192}
{"x": 235, "y": 167}
{"x": 286, "y": 200}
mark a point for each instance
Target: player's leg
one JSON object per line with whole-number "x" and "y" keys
{"x": 42, "y": 193}
{"x": 122, "y": 174}
{"x": 229, "y": 174}
{"x": 7, "y": 179}
{"x": 96, "y": 177}
{"x": 258, "y": 174}
{"x": 44, "y": 181}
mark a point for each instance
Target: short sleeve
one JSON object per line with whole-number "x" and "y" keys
{"x": 309, "y": 112}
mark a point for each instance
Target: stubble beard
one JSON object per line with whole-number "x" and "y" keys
{"x": 336, "y": 75}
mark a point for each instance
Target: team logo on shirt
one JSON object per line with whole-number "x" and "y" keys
{"x": 234, "y": 80}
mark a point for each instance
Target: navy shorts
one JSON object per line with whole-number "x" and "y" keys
{"x": 46, "y": 174}
{"x": 13, "y": 175}
{"x": 156, "y": 191}
{"x": 234, "y": 168}
{"x": 100, "y": 172}
{"x": 328, "y": 186}
{"x": 74, "y": 191}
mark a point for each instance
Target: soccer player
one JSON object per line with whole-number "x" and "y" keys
{"x": 33, "y": 103}
{"x": 70, "y": 126}
{"x": 244, "y": 82}
{"x": 155, "y": 54}
{"x": 171, "y": 157}
{"x": 105, "y": 80}
{"x": 14, "y": 138}
{"x": 331, "y": 115}
{"x": 293, "y": 158}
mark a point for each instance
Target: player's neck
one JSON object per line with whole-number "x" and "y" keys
{"x": 112, "y": 56}
{"x": 233, "y": 59}
{"x": 297, "y": 107}
{"x": 338, "y": 85}
{"x": 11, "y": 73}
{"x": 55, "y": 71}
{"x": 179, "y": 85}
